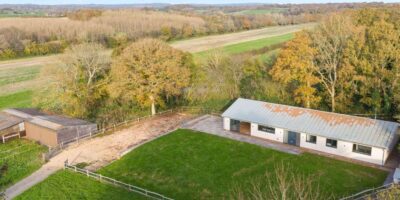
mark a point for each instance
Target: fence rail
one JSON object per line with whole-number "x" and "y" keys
{"x": 105, "y": 179}
{"x": 55, "y": 150}
{"x": 363, "y": 194}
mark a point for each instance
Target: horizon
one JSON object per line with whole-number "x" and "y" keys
{"x": 177, "y": 2}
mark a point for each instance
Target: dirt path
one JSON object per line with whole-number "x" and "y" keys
{"x": 100, "y": 151}
{"x": 211, "y": 42}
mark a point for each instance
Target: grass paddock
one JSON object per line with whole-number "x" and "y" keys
{"x": 190, "y": 165}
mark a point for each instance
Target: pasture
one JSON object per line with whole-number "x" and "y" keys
{"x": 18, "y": 159}
{"x": 248, "y": 46}
{"x": 211, "y": 42}
{"x": 192, "y": 165}
{"x": 70, "y": 185}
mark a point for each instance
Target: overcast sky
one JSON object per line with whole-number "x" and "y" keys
{"x": 51, "y": 2}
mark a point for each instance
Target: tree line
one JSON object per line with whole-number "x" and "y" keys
{"x": 349, "y": 63}
{"x": 21, "y": 37}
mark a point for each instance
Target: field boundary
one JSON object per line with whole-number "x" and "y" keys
{"x": 365, "y": 193}
{"x": 105, "y": 179}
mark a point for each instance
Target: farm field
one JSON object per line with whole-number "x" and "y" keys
{"x": 215, "y": 41}
{"x": 70, "y": 185}
{"x": 18, "y": 159}
{"x": 261, "y": 11}
{"x": 19, "y": 77}
{"x": 190, "y": 165}
{"x": 249, "y": 45}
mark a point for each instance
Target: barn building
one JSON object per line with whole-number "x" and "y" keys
{"x": 50, "y": 130}
{"x": 359, "y": 138}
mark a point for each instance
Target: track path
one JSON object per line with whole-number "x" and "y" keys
{"x": 215, "y": 41}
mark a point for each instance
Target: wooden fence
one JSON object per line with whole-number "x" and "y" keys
{"x": 57, "y": 149}
{"x": 366, "y": 193}
{"x": 105, "y": 179}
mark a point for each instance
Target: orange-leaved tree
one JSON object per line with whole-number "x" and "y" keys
{"x": 148, "y": 72}
{"x": 295, "y": 68}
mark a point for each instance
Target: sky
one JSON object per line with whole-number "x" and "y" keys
{"x": 55, "y": 2}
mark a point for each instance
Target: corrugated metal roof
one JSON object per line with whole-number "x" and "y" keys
{"x": 377, "y": 133}
{"x": 7, "y": 121}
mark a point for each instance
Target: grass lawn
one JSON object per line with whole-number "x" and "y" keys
{"x": 248, "y": 46}
{"x": 189, "y": 165}
{"x": 70, "y": 185}
{"x": 28, "y": 158}
{"x": 20, "y": 99}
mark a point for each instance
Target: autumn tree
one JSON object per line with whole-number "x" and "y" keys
{"x": 330, "y": 39}
{"x": 295, "y": 67}
{"x": 375, "y": 55}
{"x": 217, "y": 77}
{"x": 77, "y": 85}
{"x": 148, "y": 72}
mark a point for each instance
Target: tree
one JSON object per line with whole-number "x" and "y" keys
{"x": 77, "y": 85}
{"x": 282, "y": 183}
{"x": 148, "y": 72}
{"x": 330, "y": 39}
{"x": 218, "y": 77}
{"x": 295, "y": 67}
{"x": 375, "y": 55}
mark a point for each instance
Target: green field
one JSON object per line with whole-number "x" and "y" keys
{"x": 189, "y": 165}
{"x": 248, "y": 46}
{"x": 21, "y": 99}
{"x": 16, "y": 75}
{"x": 18, "y": 159}
{"x": 16, "y": 85}
{"x": 70, "y": 185}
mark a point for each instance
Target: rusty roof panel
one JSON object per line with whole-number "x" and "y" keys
{"x": 372, "y": 132}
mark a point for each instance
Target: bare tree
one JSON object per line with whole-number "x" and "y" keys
{"x": 284, "y": 183}
{"x": 329, "y": 39}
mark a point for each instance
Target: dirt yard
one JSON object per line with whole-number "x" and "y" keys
{"x": 102, "y": 150}
{"x": 211, "y": 42}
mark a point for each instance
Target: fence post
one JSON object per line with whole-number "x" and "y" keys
{"x": 75, "y": 168}
{"x": 100, "y": 177}
{"x": 87, "y": 172}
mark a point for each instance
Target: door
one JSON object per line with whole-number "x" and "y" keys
{"x": 235, "y": 125}
{"x": 292, "y": 138}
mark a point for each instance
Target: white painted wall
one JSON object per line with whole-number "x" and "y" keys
{"x": 344, "y": 149}
{"x": 278, "y": 136}
{"x": 227, "y": 123}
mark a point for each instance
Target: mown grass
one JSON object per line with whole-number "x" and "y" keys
{"x": 15, "y": 75}
{"x": 18, "y": 159}
{"x": 247, "y": 46}
{"x": 22, "y": 99}
{"x": 190, "y": 165}
{"x": 70, "y": 185}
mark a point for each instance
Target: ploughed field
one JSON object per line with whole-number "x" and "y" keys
{"x": 18, "y": 159}
{"x": 192, "y": 165}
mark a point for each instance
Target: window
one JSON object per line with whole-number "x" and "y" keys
{"x": 331, "y": 143}
{"x": 266, "y": 129}
{"x": 311, "y": 139}
{"x": 362, "y": 149}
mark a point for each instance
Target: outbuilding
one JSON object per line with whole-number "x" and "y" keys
{"x": 365, "y": 139}
{"x": 50, "y": 130}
